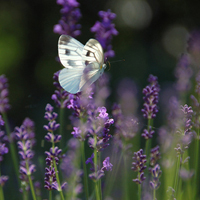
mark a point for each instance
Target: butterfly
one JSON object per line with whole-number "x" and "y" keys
{"x": 83, "y": 64}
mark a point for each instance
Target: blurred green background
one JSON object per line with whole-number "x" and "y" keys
{"x": 152, "y": 35}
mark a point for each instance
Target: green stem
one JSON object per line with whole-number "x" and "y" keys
{"x": 1, "y": 191}
{"x": 196, "y": 164}
{"x": 50, "y": 194}
{"x": 85, "y": 170}
{"x": 154, "y": 194}
{"x": 139, "y": 191}
{"x": 12, "y": 147}
{"x": 97, "y": 192}
{"x": 148, "y": 144}
{"x": 176, "y": 180}
{"x": 58, "y": 180}
{"x": 32, "y": 188}
{"x": 126, "y": 196}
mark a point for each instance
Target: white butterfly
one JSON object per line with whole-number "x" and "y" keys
{"x": 83, "y": 64}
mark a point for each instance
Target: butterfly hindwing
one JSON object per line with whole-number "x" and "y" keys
{"x": 70, "y": 79}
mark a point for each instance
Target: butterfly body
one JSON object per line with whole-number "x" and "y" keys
{"x": 83, "y": 64}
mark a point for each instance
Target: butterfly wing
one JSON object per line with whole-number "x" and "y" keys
{"x": 70, "y": 52}
{"x": 70, "y": 79}
{"x": 93, "y": 51}
{"x": 94, "y": 59}
{"x": 83, "y": 64}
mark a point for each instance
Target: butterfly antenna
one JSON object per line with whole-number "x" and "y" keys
{"x": 117, "y": 61}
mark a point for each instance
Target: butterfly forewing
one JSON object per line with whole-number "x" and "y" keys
{"x": 70, "y": 52}
{"x": 93, "y": 52}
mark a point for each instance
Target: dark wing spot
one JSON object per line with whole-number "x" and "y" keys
{"x": 67, "y": 52}
{"x": 88, "y": 53}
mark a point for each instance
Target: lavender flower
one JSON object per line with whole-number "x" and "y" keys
{"x": 99, "y": 125}
{"x": 187, "y": 134}
{"x": 3, "y": 151}
{"x": 156, "y": 173}
{"x": 151, "y": 98}
{"x": 3, "y": 180}
{"x": 4, "y": 101}
{"x": 155, "y": 155}
{"x": 24, "y": 136}
{"x": 54, "y": 154}
{"x": 147, "y": 134}
{"x": 52, "y": 125}
{"x": 125, "y": 128}
{"x": 183, "y": 73}
{"x": 104, "y": 30}
{"x": 70, "y": 16}
{"x": 139, "y": 166}
{"x": 107, "y": 166}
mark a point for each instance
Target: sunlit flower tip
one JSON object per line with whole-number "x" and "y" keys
{"x": 147, "y": 134}
{"x": 107, "y": 165}
{"x": 3, "y": 180}
{"x": 77, "y": 132}
{"x": 102, "y": 113}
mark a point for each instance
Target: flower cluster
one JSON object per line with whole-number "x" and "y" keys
{"x": 183, "y": 73}
{"x": 4, "y": 101}
{"x": 25, "y": 137}
{"x": 3, "y": 151}
{"x": 151, "y": 98}
{"x": 155, "y": 168}
{"x": 105, "y": 30}
{"x": 54, "y": 154}
{"x": 70, "y": 16}
{"x": 99, "y": 125}
{"x": 147, "y": 134}
{"x": 156, "y": 173}
{"x": 138, "y": 165}
{"x": 125, "y": 127}
{"x": 187, "y": 134}
{"x": 60, "y": 96}
{"x": 155, "y": 155}
{"x": 107, "y": 166}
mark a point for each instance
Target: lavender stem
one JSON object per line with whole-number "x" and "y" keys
{"x": 85, "y": 170}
